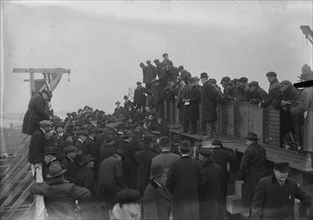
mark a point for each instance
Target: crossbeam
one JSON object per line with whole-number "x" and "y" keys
{"x": 41, "y": 70}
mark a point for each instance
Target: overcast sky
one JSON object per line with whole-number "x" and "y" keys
{"x": 103, "y": 42}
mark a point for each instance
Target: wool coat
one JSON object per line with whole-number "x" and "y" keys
{"x": 111, "y": 179}
{"x": 93, "y": 150}
{"x": 274, "y": 202}
{"x": 143, "y": 160}
{"x": 183, "y": 182}
{"x": 139, "y": 96}
{"x": 211, "y": 191}
{"x": 209, "y": 97}
{"x": 182, "y": 91}
{"x": 252, "y": 169}
{"x": 119, "y": 111}
{"x": 34, "y": 114}
{"x": 36, "y": 145}
{"x": 191, "y": 111}
{"x": 306, "y": 105}
{"x": 156, "y": 202}
{"x": 107, "y": 150}
{"x": 72, "y": 169}
{"x": 166, "y": 159}
{"x": 60, "y": 197}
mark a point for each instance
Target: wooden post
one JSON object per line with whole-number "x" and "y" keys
{"x": 40, "y": 205}
{"x": 32, "y": 83}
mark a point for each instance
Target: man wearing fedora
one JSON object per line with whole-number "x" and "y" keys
{"x": 157, "y": 199}
{"x": 306, "y": 106}
{"x": 119, "y": 110}
{"x": 183, "y": 181}
{"x": 111, "y": 178}
{"x": 143, "y": 161}
{"x": 252, "y": 168}
{"x": 211, "y": 189}
{"x": 70, "y": 163}
{"x": 36, "y": 111}
{"x": 60, "y": 195}
{"x": 275, "y": 195}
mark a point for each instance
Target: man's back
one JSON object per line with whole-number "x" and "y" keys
{"x": 166, "y": 159}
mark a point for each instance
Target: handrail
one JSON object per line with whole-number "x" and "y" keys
{"x": 40, "y": 205}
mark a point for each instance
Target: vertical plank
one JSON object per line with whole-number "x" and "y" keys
{"x": 40, "y": 206}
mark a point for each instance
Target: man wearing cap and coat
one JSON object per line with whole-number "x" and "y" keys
{"x": 156, "y": 198}
{"x": 36, "y": 112}
{"x": 255, "y": 94}
{"x": 143, "y": 160}
{"x": 60, "y": 195}
{"x": 211, "y": 189}
{"x": 252, "y": 167}
{"x": 70, "y": 163}
{"x": 140, "y": 97}
{"x": 275, "y": 195}
{"x": 183, "y": 181}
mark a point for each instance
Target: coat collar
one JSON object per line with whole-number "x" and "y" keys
{"x": 274, "y": 180}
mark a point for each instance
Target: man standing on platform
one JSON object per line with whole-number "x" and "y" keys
{"x": 140, "y": 96}
{"x": 182, "y": 91}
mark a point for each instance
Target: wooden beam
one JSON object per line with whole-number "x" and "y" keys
{"x": 41, "y": 70}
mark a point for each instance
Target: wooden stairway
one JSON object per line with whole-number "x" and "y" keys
{"x": 16, "y": 181}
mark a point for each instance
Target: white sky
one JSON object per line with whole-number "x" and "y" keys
{"x": 103, "y": 42}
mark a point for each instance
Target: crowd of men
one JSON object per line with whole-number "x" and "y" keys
{"x": 128, "y": 166}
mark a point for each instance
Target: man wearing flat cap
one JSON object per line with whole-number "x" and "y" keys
{"x": 60, "y": 195}
{"x": 157, "y": 199}
{"x": 209, "y": 99}
{"x": 71, "y": 163}
{"x": 184, "y": 74}
{"x": 151, "y": 73}
{"x": 241, "y": 87}
{"x": 36, "y": 111}
{"x": 127, "y": 206}
{"x": 183, "y": 181}
{"x": 272, "y": 79}
{"x": 306, "y": 107}
{"x": 211, "y": 189}
{"x": 252, "y": 168}
{"x": 255, "y": 94}
{"x": 275, "y": 195}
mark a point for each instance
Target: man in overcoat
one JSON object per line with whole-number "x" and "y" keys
{"x": 70, "y": 163}
{"x": 211, "y": 189}
{"x": 255, "y": 94}
{"x": 252, "y": 168}
{"x": 183, "y": 181}
{"x": 275, "y": 195}
{"x": 60, "y": 196}
{"x": 191, "y": 107}
{"x": 92, "y": 147}
{"x": 158, "y": 98}
{"x": 140, "y": 96}
{"x": 36, "y": 112}
{"x": 209, "y": 97}
{"x": 119, "y": 110}
{"x": 143, "y": 160}
{"x": 182, "y": 91}
{"x": 156, "y": 198}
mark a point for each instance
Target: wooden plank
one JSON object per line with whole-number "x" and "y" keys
{"x": 15, "y": 168}
{"x": 40, "y": 204}
{"x": 41, "y": 70}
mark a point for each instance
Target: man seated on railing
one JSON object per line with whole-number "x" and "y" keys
{"x": 255, "y": 94}
{"x": 60, "y": 195}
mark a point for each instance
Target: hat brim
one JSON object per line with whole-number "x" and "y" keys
{"x": 87, "y": 161}
{"x": 50, "y": 176}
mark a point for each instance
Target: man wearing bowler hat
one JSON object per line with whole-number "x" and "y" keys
{"x": 252, "y": 168}
{"x": 275, "y": 196}
{"x": 157, "y": 199}
{"x": 60, "y": 195}
{"x": 183, "y": 181}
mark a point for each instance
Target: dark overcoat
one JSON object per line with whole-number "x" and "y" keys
{"x": 274, "y": 202}
{"x": 183, "y": 182}
{"x": 72, "y": 169}
{"x": 81, "y": 146}
{"x": 258, "y": 95}
{"x": 156, "y": 202}
{"x": 191, "y": 111}
{"x": 252, "y": 169}
{"x": 139, "y": 96}
{"x": 119, "y": 111}
{"x": 181, "y": 96}
{"x": 110, "y": 179}
{"x": 93, "y": 150}
{"x": 36, "y": 145}
{"x": 107, "y": 150}
{"x": 143, "y": 160}
{"x": 34, "y": 114}
{"x": 151, "y": 73}
{"x": 60, "y": 198}
{"x": 209, "y": 97}
{"x": 211, "y": 192}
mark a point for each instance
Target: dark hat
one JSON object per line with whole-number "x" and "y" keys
{"x": 49, "y": 150}
{"x": 92, "y": 130}
{"x": 204, "y": 75}
{"x": 206, "y": 152}
{"x": 225, "y": 79}
{"x": 118, "y": 102}
{"x": 86, "y": 158}
{"x": 55, "y": 170}
{"x": 147, "y": 140}
{"x": 285, "y": 83}
{"x": 164, "y": 141}
{"x": 243, "y": 79}
{"x": 148, "y": 61}
{"x": 156, "y": 171}
{"x": 212, "y": 80}
{"x": 70, "y": 149}
{"x": 128, "y": 196}
{"x": 125, "y": 97}
{"x": 180, "y": 67}
{"x": 253, "y": 83}
{"x": 282, "y": 166}
{"x": 156, "y": 61}
{"x": 252, "y": 136}
{"x": 82, "y": 132}
{"x": 192, "y": 80}
{"x": 121, "y": 152}
{"x": 185, "y": 145}
{"x": 217, "y": 142}
{"x": 164, "y": 54}
{"x": 271, "y": 74}
{"x": 138, "y": 83}
{"x": 141, "y": 64}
